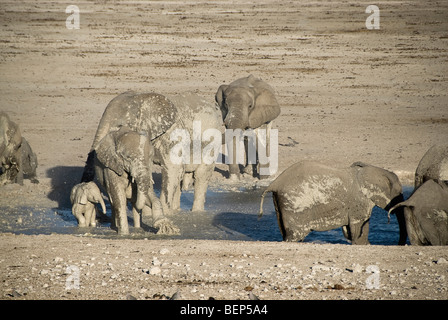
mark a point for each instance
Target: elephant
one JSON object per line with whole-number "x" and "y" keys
{"x": 123, "y": 166}
{"x": 246, "y": 103}
{"x": 433, "y": 165}
{"x": 426, "y": 214}
{"x": 84, "y": 197}
{"x": 195, "y": 116}
{"x": 160, "y": 117}
{"x": 313, "y": 196}
{"x": 17, "y": 160}
{"x": 142, "y": 112}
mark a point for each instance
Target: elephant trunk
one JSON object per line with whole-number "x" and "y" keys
{"x": 103, "y": 205}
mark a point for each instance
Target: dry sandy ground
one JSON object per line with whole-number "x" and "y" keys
{"x": 346, "y": 93}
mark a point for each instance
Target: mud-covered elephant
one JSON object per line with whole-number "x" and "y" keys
{"x": 246, "y": 103}
{"x": 426, "y": 214}
{"x": 17, "y": 160}
{"x": 312, "y": 196}
{"x": 123, "y": 166}
{"x": 433, "y": 165}
{"x": 84, "y": 198}
{"x": 159, "y": 116}
{"x": 195, "y": 116}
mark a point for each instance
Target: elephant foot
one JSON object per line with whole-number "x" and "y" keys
{"x": 166, "y": 227}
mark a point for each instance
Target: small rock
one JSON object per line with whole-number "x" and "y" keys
{"x": 155, "y": 271}
{"x": 441, "y": 261}
{"x": 164, "y": 251}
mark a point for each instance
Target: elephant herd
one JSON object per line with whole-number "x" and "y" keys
{"x": 140, "y": 130}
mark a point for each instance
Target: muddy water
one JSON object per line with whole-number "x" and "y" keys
{"x": 229, "y": 215}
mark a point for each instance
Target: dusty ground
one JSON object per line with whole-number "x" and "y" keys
{"x": 347, "y": 94}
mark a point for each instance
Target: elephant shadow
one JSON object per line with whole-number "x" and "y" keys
{"x": 62, "y": 180}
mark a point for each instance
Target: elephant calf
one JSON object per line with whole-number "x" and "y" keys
{"x": 84, "y": 197}
{"x": 426, "y": 214}
{"x": 312, "y": 196}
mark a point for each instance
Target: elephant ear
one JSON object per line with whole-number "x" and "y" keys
{"x": 106, "y": 153}
{"x": 219, "y": 98}
{"x": 266, "y": 107}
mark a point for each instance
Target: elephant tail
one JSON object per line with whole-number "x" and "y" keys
{"x": 89, "y": 169}
{"x": 260, "y": 213}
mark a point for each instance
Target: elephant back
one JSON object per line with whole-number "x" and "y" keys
{"x": 192, "y": 107}
{"x": 148, "y": 112}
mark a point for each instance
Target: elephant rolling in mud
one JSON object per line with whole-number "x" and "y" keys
{"x": 426, "y": 214}
{"x": 84, "y": 197}
{"x": 312, "y": 196}
{"x": 247, "y": 103}
{"x": 123, "y": 166}
{"x": 433, "y": 165}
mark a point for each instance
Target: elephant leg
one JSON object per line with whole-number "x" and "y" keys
{"x": 291, "y": 229}
{"x": 202, "y": 177}
{"x": 171, "y": 177}
{"x": 416, "y": 237}
{"x": 360, "y": 232}
{"x": 117, "y": 196}
{"x": 91, "y": 215}
{"x": 136, "y": 216}
{"x": 78, "y": 212}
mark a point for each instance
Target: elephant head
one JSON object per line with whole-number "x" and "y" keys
{"x": 128, "y": 152}
{"x": 383, "y": 188}
{"x": 247, "y": 103}
{"x": 84, "y": 196}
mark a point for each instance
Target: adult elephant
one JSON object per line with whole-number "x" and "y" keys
{"x": 17, "y": 159}
{"x": 123, "y": 166}
{"x": 198, "y": 128}
{"x": 312, "y": 196}
{"x": 246, "y": 103}
{"x": 426, "y": 214}
{"x": 433, "y": 165}
{"x": 160, "y": 117}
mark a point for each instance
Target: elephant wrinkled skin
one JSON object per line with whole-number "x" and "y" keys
{"x": 426, "y": 214}
{"x": 312, "y": 196}
{"x": 123, "y": 166}
{"x": 433, "y": 165}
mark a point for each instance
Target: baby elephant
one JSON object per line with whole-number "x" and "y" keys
{"x": 84, "y": 197}
{"x": 426, "y": 214}
{"x": 312, "y": 196}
